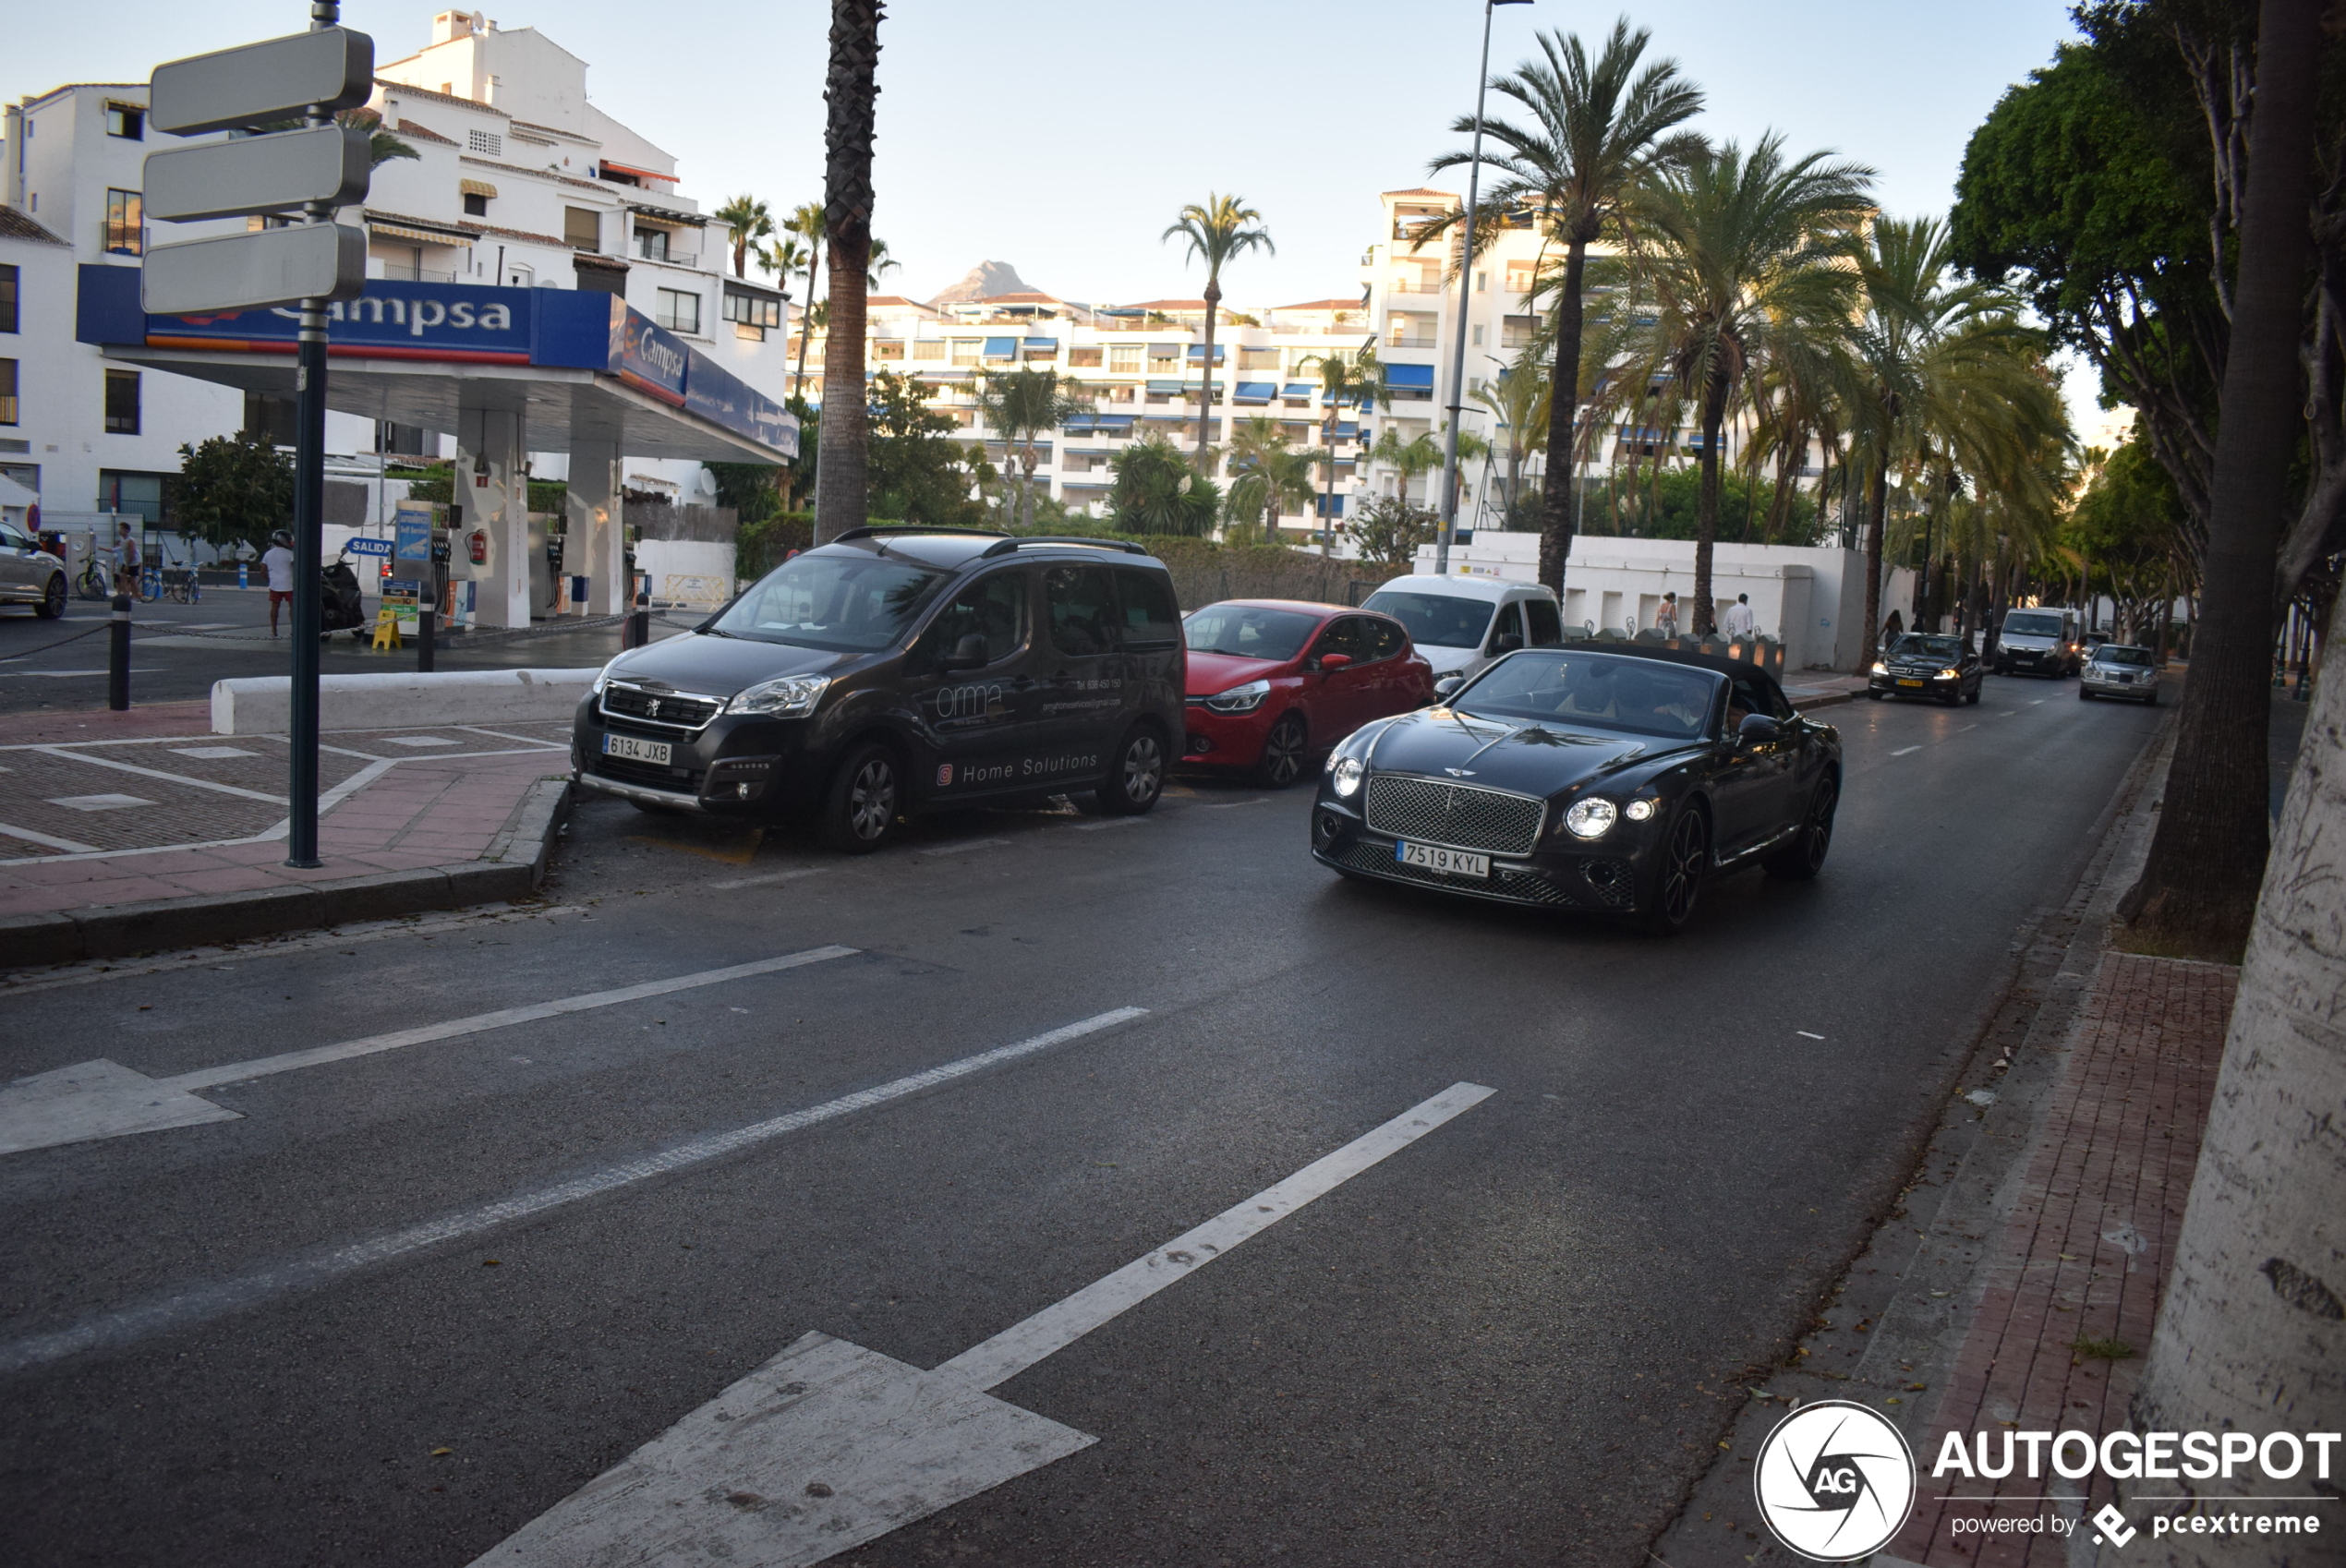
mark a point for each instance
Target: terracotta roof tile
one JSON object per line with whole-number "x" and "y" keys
{"x": 409, "y": 128}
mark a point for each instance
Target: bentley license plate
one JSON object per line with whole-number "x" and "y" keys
{"x": 1455, "y": 862}
{"x": 1910, "y": 682}
{"x": 634, "y": 750}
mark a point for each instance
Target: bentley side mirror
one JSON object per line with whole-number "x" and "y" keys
{"x": 1330, "y": 663}
{"x": 1756, "y": 729}
{"x": 1448, "y": 685}
{"x": 968, "y": 652}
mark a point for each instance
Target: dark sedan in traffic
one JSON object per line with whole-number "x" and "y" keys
{"x": 1928, "y": 664}
{"x": 1614, "y": 782}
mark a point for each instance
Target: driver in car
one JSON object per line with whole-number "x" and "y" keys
{"x": 1667, "y": 700}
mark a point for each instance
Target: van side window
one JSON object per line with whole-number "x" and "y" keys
{"x": 1547, "y": 624}
{"x": 993, "y": 607}
{"x": 1081, "y": 606}
{"x": 1151, "y": 618}
{"x": 1509, "y": 624}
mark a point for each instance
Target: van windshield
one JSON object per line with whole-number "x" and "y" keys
{"x": 1435, "y": 619}
{"x": 852, "y": 603}
{"x": 2031, "y": 623}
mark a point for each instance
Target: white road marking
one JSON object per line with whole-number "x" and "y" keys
{"x": 92, "y": 1100}
{"x": 829, "y": 1445}
{"x": 419, "y": 740}
{"x": 768, "y": 879}
{"x": 965, "y": 847}
{"x": 182, "y": 1307}
{"x": 209, "y": 753}
{"x": 1903, "y": 750}
{"x": 2036, "y": 702}
{"x": 1110, "y": 822}
{"x": 60, "y": 674}
{"x": 1804, "y": 1033}
{"x": 1966, "y": 728}
{"x": 525, "y": 739}
{"x": 46, "y": 841}
{"x": 78, "y": 755}
{"x": 100, "y": 803}
{"x": 1225, "y": 805}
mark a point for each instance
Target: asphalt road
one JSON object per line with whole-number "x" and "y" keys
{"x": 178, "y": 650}
{"x": 1513, "y": 1339}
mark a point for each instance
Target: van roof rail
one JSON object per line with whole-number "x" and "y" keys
{"x": 1004, "y": 547}
{"x": 874, "y": 530}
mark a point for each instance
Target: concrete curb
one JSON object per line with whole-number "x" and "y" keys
{"x": 514, "y": 867}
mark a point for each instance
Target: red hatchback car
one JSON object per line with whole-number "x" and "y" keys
{"x": 1272, "y": 682}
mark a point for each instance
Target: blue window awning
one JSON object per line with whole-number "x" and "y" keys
{"x": 1197, "y": 352}
{"x": 1042, "y": 345}
{"x": 1099, "y": 424}
{"x": 1256, "y": 393}
{"x": 1347, "y": 431}
{"x": 1299, "y": 388}
{"x": 1158, "y": 384}
{"x": 1007, "y": 348}
{"x": 1410, "y": 376}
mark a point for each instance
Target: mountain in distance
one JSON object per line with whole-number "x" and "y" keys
{"x": 984, "y": 282}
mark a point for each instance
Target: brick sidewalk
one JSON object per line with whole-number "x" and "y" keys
{"x": 117, "y": 841}
{"x": 2084, "y": 1256}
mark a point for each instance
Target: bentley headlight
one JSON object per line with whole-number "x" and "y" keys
{"x": 1591, "y": 818}
{"x": 1239, "y": 699}
{"x": 1346, "y": 776}
{"x": 1640, "y": 810}
{"x": 793, "y": 696}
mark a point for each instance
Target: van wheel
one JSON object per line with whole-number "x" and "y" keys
{"x": 1136, "y": 778}
{"x": 1284, "y": 753}
{"x": 859, "y": 814}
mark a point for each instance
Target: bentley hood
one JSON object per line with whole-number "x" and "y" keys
{"x": 1531, "y": 759}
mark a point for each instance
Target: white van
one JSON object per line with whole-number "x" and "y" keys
{"x": 1462, "y": 624}
{"x": 2040, "y": 642}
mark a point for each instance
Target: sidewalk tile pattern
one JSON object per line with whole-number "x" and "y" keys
{"x": 2085, "y": 1254}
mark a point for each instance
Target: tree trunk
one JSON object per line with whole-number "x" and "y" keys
{"x": 1706, "y": 531}
{"x": 1026, "y": 458}
{"x": 1876, "y": 515}
{"x": 2248, "y": 1335}
{"x": 850, "y": 91}
{"x": 1206, "y": 381}
{"x": 1564, "y": 418}
{"x": 2198, "y": 888}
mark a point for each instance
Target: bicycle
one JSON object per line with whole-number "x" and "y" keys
{"x": 180, "y": 586}
{"x": 93, "y": 582}
{"x": 150, "y": 581}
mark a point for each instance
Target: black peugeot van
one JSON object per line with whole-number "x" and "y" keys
{"x": 902, "y": 670}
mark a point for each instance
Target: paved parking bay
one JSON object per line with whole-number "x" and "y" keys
{"x": 1479, "y": 1214}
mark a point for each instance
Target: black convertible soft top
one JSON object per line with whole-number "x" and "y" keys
{"x": 1732, "y": 668}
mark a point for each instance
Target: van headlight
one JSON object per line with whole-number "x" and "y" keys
{"x": 1591, "y": 818}
{"x": 1346, "y": 776}
{"x": 793, "y": 696}
{"x": 1239, "y": 699}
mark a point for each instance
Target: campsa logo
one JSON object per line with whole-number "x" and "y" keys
{"x": 1835, "y": 1481}
{"x": 418, "y": 315}
{"x": 665, "y": 359}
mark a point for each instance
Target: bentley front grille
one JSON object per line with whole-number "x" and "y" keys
{"x": 1464, "y": 816}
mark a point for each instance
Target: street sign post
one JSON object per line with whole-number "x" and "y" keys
{"x": 314, "y": 170}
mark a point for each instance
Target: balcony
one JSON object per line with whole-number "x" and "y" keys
{"x": 398, "y": 274}
{"x": 654, "y": 247}
{"x": 1413, "y": 340}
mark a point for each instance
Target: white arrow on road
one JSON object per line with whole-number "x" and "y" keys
{"x": 829, "y": 1445}
{"x": 104, "y": 1099}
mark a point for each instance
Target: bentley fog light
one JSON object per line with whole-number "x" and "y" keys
{"x": 1591, "y": 818}
{"x": 1638, "y": 811}
{"x": 793, "y": 696}
{"x": 1346, "y": 776}
{"x": 1239, "y": 699}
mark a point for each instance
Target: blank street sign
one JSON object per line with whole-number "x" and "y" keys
{"x": 259, "y": 173}
{"x": 249, "y": 271}
{"x": 259, "y": 82}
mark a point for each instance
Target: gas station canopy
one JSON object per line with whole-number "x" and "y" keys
{"x": 579, "y": 366}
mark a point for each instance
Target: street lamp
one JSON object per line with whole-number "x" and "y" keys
{"x": 1466, "y": 299}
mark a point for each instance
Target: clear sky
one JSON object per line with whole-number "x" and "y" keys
{"x": 1063, "y": 136}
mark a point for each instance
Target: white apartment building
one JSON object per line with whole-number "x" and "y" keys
{"x": 518, "y": 181}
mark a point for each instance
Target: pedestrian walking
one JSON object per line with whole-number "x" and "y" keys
{"x": 1666, "y": 620}
{"x": 125, "y": 560}
{"x": 1737, "y": 622}
{"x": 279, "y": 562}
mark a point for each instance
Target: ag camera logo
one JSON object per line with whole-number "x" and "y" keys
{"x": 1835, "y": 1481}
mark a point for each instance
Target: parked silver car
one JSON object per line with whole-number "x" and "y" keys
{"x": 30, "y": 574}
{"x": 2119, "y": 669}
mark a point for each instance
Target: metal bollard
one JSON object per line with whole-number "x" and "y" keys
{"x": 244, "y": 574}
{"x": 639, "y": 625}
{"x": 118, "y": 659}
{"x": 427, "y": 616}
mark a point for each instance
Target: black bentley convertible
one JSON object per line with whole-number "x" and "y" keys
{"x": 1615, "y": 782}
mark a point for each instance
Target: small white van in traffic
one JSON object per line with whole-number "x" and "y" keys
{"x": 1462, "y": 624}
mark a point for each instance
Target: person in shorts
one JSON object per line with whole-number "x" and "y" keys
{"x": 279, "y": 562}
{"x": 125, "y": 560}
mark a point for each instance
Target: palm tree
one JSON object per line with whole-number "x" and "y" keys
{"x": 1021, "y": 405}
{"x": 1937, "y": 371}
{"x": 1266, "y": 477}
{"x": 1419, "y": 454}
{"x": 1159, "y": 492}
{"x": 746, "y": 221}
{"x": 851, "y": 95}
{"x": 1743, "y": 256}
{"x": 1217, "y": 231}
{"x": 805, "y": 223}
{"x": 1597, "y": 129}
{"x": 1356, "y": 379}
{"x": 1518, "y": 403}
{"x": 882, "y": 264}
